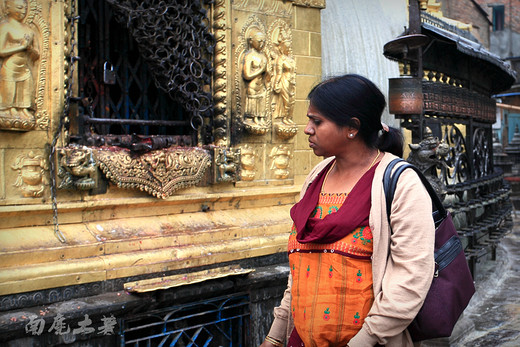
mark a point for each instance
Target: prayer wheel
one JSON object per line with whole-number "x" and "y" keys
{"x": 405, "y": 95}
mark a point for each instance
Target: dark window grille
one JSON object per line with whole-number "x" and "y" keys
{"x": 221, "y": 321}
{"x": 498, "y": 18}
{"x": 118, "y": 83}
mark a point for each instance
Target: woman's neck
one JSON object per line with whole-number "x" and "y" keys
{"x": 348, "y": 169}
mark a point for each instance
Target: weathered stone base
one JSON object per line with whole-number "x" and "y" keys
{"x": 264, "y": 286}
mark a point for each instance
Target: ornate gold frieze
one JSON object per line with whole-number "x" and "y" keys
{"x": 226, "y": 164}
{"x": 220, "y": 73}
{"x": 24, "y": 46}
{"x": 31, "y": 179}
{"x": 159, "y": 173}
{"x": 77, "y": 168}
{"x": 268, "y": 7}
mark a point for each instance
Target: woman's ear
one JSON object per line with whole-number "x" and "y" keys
{"x": 353, "y": 128}
{"x": 355, "y": 124}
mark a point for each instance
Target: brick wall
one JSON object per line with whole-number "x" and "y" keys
{"x": 467, "y": 11}
{"x": 512, "y": 11}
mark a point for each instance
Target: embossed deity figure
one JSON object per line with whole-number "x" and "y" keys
{"x": 284, "y": 79}
{"x": 280, "y": 161}
{"x": 255, "y": 64}
{"x": 31, "y": 169}
{"x": 247, "y": 160}
{"x": 18, "y": 52}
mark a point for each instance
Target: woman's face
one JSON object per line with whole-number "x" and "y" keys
{"x": 326, "y": 138}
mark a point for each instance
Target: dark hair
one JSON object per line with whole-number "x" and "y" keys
{"x": 344, "y": 97}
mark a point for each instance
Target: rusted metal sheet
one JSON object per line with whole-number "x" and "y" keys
{"x": 166, "y": 282}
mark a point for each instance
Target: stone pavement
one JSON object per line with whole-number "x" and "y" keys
{"x": 493, "y": 316}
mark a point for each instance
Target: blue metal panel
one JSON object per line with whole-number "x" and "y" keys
{"x": 221, "y": 321}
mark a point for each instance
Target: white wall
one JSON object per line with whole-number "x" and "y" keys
{"x": 353, "y": 35}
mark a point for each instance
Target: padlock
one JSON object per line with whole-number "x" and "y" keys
{"x": 109, "y": 75}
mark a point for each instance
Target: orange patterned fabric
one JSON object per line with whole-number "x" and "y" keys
{"x": 332, "y": 283}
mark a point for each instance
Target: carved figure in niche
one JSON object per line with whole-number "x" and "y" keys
{"x": 19, "y": 52}
{"x": 280, "y": 161}
{"x": 283, "y": 82}
{"x": 30, "y": 174}
{"x": 226, "y": 162}
{"x": 428, "y": 155}
{"x": 284, "y": 79}
{"x": 76, "y": 169}
{"x": 247, "y": 160}
{"x": 253, "y": 71}
{"x": 252, "y": 78}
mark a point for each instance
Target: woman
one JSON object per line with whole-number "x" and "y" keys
{"x": 353, "y": 281}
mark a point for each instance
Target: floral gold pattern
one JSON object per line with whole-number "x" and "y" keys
{"x": 159, "y": 173}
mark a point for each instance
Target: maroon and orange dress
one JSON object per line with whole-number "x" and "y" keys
{"x": 332, "y": 276}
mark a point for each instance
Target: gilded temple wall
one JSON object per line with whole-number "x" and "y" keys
{"x": 127, "y": 231}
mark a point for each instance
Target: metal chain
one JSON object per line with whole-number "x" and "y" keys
{"x": 64, "y": 117}
{"x": 175, "y": 39}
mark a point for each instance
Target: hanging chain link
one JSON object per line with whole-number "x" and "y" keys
{"x": 174, "y": 38}
{"x": 63, "y": 119}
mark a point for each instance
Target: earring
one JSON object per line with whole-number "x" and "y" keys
{"x": 350, "y": 135}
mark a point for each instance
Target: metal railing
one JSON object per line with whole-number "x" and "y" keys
{"x": 220, "y": 321}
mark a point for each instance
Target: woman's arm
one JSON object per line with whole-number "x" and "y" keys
{"x": 278, "y": 329}
{"x": 409, "y": 267}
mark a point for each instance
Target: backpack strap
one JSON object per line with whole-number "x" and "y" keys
{"x": 390, "y": 182}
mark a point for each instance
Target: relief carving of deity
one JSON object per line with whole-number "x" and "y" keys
{"x": 247, "y": 161}
{"x": 253, "y": 69}
{"x": 31, "y": 179}
{"x": 19, "y": 53}
{"x": 280, "y": 156}
{"x": 268, "y": 73}
{"x": 226, "y": 162}
{"x": 283, "y": 81}
{"x": 255, "y": 65}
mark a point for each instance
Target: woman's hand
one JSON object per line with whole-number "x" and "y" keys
{"x": 267, "y": 344}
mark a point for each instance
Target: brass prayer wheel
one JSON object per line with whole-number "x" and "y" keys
{"x": 405, "y": 95}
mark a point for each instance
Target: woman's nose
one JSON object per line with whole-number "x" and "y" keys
{"x": 309, "y": 130}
